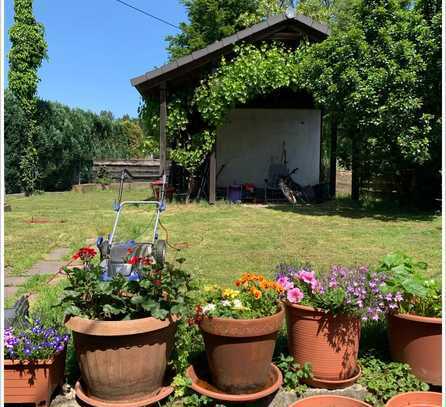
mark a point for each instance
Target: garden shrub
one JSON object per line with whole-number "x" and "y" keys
{"x": 67, "y": 142}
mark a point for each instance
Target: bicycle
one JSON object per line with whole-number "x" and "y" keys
{"x": 293, "y": 191}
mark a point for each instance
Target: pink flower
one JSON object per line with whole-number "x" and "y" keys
{"x": 285, "y": 283}
{"x": 306, "y": 276}
{"x": 294, "y": 295}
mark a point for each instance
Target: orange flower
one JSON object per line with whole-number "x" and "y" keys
{"x": 256, "y": 293}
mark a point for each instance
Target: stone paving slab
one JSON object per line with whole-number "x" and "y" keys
{"x": 45, "y": 267}
{"x": 282, "y": 398}
{"x": 10, "y": 291}
{"x": 52, "y": 263}
{"x": 11, "y": 281}
{"x": 57, "y": 254}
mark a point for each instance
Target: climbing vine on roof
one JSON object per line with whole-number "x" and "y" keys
{"x": 254, "y": 71}
{"x": 194, "y": 116}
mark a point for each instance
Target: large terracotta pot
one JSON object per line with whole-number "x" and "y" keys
{"x": 239, "y": 351}
{"x": 122, "y": 360}
{"x": 415, "y": 399}
{"x": 329, "y": 401}
{"x": 33, "y": 382}
{"x": 329, "y": 343}
{"x": 417, "y": 341}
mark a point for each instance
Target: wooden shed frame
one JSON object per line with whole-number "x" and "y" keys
{"x": 193, "y": 67}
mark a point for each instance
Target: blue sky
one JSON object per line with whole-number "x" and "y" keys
{"x": 95, "y": 47}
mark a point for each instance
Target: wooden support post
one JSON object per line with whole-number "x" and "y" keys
{"x": 333, "y": 148}
{"x": 163, "y": 122}
{"x": 212, "y": 177}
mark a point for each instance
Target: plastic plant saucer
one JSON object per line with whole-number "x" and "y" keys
{"x": 334, "y": 384}
{"x": 147, "y": 401}
{"x": 201, "y": 384}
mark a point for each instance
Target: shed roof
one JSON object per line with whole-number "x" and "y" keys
{"x": 263, "y": 30}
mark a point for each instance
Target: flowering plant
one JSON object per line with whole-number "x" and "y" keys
{"x": 407, "y": 279}
{"x": 254, "y": 297}
{"x": 357, "y": 291}
{"x": 33, "y": 341}
{"x": 151, "y": 291}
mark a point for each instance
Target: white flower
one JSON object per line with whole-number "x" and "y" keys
{"x": 237, "y": 304}
{"x": 208, "y": 308}
{"x": 226, "y": 303}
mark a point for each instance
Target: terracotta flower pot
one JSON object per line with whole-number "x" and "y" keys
{"x": 239, "y": 351}
{"x": 416, "y": 341}
{"x": 329, "y": 401}
{"x": 122, "y": 361}
{"x": 329, "y": 343}
{"x": 33, "y": 382}
{"x": 415, "y": 399}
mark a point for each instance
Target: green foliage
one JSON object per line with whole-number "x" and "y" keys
{"x": 293, "y": 373}
{"x": 189, "y": 144}
{"x": 28, "y": 49}
{"x": 373, "y": 72}
{"x": 67, "y": 142}
{"x": 158, "y": 293}
{"x": 14, "y": 129}
{"x": 386, "y": 379}
{"x": 253, "y": 71}
{"x": 421, "y": 296}
{"x": 212, "y": 20}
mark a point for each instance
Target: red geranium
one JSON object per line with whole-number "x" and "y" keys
{"x": 133, "y": 260}
{"x": 85, "y": 254}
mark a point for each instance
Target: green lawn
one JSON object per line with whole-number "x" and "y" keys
{"x": 219, "y": 242}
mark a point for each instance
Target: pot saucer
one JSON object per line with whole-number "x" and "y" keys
{"x": 201, "y": 384}
{"x": 147, "y": 401}
{"x": 333, "y": 384}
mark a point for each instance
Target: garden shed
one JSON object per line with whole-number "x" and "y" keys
{"x": 283, "y": 127}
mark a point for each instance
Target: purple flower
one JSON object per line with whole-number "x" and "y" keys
{"x": 398, "y": 297}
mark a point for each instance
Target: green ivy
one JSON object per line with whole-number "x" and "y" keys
{"x": 28, "y": 49}
{"x": 384, "y": 380}
{"x": 252, "y": 72}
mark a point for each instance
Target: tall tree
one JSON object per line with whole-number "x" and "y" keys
{"x": 212, "y": 20}
{"x": 370, "y": 73}
{"x": 25, "y": 57}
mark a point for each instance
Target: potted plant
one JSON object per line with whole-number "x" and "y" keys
{"x": 239, "y": 328}
{"x": 330, "y": 400}
{"x": 123, "y": 329}
{"x": 415, "y": 325}
{"x": 34, "y": 363}
{"x": 416, "y": 399}
{"x": 324, "y": 318}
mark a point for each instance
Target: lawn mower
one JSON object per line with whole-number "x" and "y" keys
{"x": 115, "y": 255}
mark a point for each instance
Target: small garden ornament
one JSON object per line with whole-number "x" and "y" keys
{"x": 324, "y": 317}
{"x": 414, "y": 326}
{"x": 124, "y": 329}
{"x": 34, "y": 363}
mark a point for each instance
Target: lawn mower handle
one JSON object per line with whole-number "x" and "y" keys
{"x": 158, "y": 204}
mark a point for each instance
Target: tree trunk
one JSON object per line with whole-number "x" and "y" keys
{"x": 333, "y": 148}
{"x": 356, "y": 165}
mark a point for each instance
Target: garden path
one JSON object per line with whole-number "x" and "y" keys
{"x": 51, "y": 264}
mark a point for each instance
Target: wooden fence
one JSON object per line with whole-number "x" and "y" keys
{"x": 141, "y": 170}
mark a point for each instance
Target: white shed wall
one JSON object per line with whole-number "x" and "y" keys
{"x": 252, "y": 139}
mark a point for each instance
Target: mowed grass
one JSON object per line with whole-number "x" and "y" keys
{"x": 219, "y": 242}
